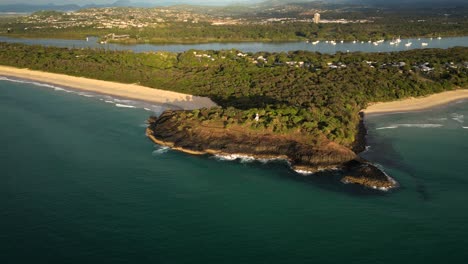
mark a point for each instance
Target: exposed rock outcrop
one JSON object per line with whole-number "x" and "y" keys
{"x": 303, "y": 154}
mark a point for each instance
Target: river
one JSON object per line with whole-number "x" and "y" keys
{"x": 321, "y": 47}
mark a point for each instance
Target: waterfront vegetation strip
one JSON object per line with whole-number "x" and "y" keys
{"x": 305, "y": 92}
{"x": 206, "y": 33}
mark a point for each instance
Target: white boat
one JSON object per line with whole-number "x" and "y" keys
{"x": 424, "y": 44}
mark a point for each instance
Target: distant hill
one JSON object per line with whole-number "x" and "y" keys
{"x": 381, "y": 3}
{"x": 409, "y": 3}
{"x": 26, "y": 8}
{"x": 29, "y": 8}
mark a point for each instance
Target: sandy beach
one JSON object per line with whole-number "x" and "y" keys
{"x": 131, "y": 91}
{"x": 415, "y": 104}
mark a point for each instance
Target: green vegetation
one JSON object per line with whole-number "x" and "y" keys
{"x": 192, "y": 25}
{"x": 298, "y": 91}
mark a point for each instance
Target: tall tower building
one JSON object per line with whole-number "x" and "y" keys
{"x": 316, "y": 18}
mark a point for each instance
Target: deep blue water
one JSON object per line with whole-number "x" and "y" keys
{"x": 253, "y": 46}
{"x": 80, "y": 183}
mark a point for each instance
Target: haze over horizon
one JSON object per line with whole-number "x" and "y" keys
{"x": 219, "y": 2}
{"x": 100, "y": 2}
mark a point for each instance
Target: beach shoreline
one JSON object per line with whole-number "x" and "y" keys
{"x": 172, "y": 100}
{"x": 416, "y": 104}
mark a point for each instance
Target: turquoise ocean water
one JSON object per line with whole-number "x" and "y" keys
{"x": 80, "y": 183}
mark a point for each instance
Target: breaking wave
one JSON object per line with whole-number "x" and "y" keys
{"x": 56, "y": 88}
{"x": 161, "y": 150}
{"x": 86, "y": 95}
{"x": 244, "y": 158}
{"x": 438, "y": 119}
{"x": 457, "y": 117}
{"x": 304, "y": 172}
{"x": 231, "y": 157}
{"x": 123, "y": 103}
{"x": 125, "y": 106}
{"x": 410, "y": 125}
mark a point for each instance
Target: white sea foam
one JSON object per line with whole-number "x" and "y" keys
{"x": 125, "y": 106}
{"x": 86, "y": 95}
{"x": 388, "y": 127}
{"x": 244, "y": 158}
{"x": 307, "y": 172}
{"x": 161, "y": 150}
{"x": 457, "y": 117}
{"x": 231, "y": 157}
{"x": 410, "y": 125}
{"x": 438, "y": 119}
{"x": 3, "y": 78}
{"x": 304, "y": 172}
{"x": 124, "y": 103}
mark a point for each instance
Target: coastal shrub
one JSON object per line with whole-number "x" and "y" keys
{"x": 321, "y": 101}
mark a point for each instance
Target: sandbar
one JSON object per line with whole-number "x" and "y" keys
{"x": 416, "y": 104}
{"x": 169, "y": 99}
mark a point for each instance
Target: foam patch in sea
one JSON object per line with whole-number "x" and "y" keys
{"x": 160, "y": 150}
{"x": 304, "y": 172}
{"x": 458, "y": 117}
{"x": 125, "y": 106}
{"x": 231, "y": 157}
{"x": 410, "y": 125}
{"x": 245, "y": 158}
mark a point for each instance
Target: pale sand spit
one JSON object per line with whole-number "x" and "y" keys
{"x": 131, "y": 91}
{"x": 415, "y": 104}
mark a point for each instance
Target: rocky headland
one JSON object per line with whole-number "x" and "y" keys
{"x": 304, "y": 154}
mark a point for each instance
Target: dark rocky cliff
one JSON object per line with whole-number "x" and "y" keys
{"x": 303, "y": 155}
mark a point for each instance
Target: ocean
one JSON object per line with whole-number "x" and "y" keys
{"x": 81, "y": 183}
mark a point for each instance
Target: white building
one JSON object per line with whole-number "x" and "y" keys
{"x": 316, "y": 18}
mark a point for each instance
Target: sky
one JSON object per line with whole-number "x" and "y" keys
{"x": 84, "y": 2}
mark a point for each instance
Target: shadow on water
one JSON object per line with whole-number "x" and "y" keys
{"x": 326, "y": 180}
{"x": 383, "y": 151}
